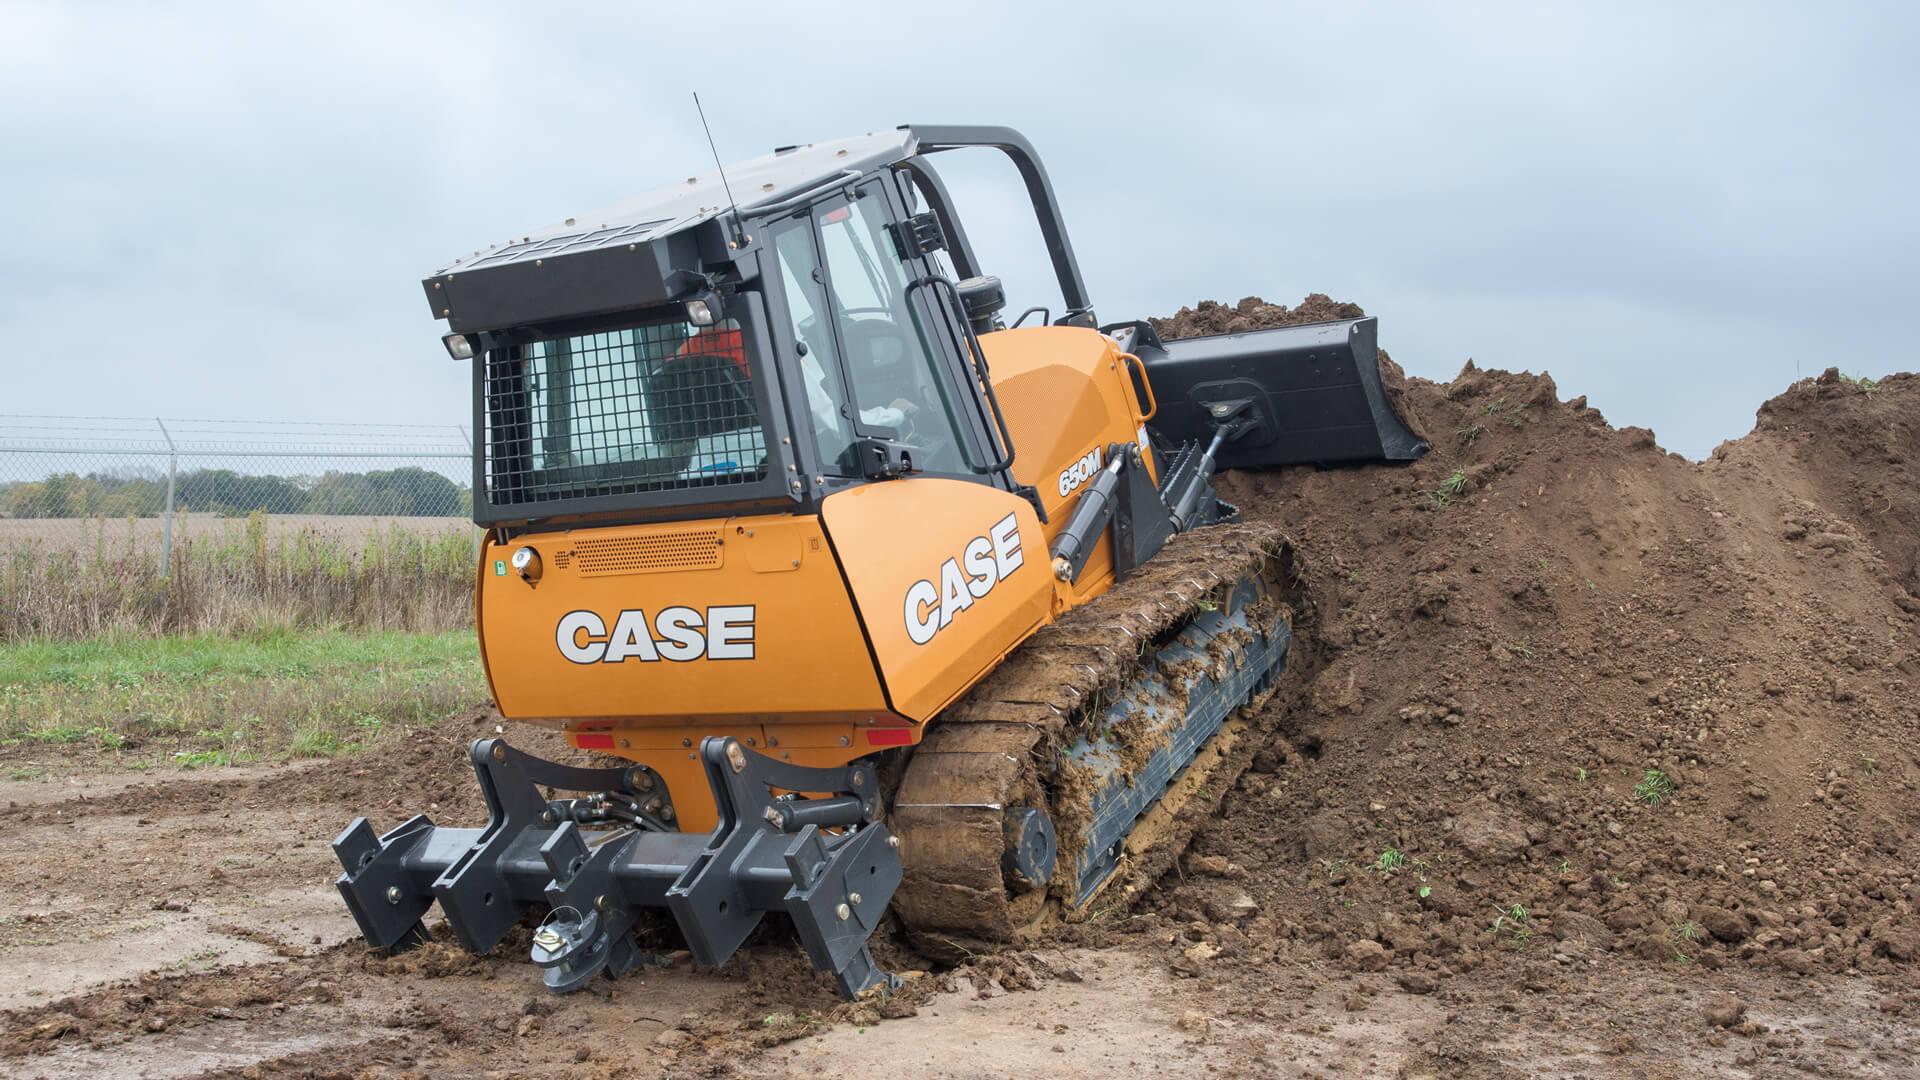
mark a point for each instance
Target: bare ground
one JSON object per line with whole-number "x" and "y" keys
{"x": 174, "y": 929}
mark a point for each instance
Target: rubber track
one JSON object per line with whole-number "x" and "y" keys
{"x": 1001, "y": 744}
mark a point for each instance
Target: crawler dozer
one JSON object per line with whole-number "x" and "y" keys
{"x": 888, "y": 606}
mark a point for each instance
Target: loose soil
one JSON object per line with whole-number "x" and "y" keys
{"x": 1591, "y": 761}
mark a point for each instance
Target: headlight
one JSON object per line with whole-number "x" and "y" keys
{"x": 459, "y": 346}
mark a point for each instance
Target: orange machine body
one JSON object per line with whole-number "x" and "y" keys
{"x": 815, "y": 638}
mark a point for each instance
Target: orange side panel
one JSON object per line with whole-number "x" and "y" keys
{"x": 948, "y": 575}
{"x": 745, "y": 621}
{"x": 1065, "y": 391}
{"x": 1068, "y": 397}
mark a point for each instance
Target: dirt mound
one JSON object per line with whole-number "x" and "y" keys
{"x": 1560, "y": 692}
{"x": 1857, "y": 445}
{"x": 1252, "y": 313}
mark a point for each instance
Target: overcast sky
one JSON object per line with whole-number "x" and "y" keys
{"x": 225, "y": 211}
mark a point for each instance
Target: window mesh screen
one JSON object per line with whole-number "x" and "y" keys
{"x": 652, "y": 408}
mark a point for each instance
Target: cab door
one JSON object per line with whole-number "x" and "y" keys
{"x": 948, "y": 569}
{"x": 876, "y": 352}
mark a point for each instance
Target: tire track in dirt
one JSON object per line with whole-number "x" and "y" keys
{"x": 109, "y": 879}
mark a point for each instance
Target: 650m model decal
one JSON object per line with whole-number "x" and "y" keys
{"x": 1079, "y": 472}
{"x": 987, "y": 560}
{"x": 676, "y": 633}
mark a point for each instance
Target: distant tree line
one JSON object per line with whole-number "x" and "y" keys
{"x": 408, "y": 491}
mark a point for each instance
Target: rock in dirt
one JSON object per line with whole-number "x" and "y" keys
{"x": 1214, "y": 866}
{"x": 1729, "y": 926}
{"x": 1324, "y": 835}
{"x": 1723, "y": 1010}
{"x": 1578, "y": 926}
{"x": 1201, "y": 951}
{"x": 1416, "y": 982}
{"x": 1214, "y": 900}
{"x": 1900, "y": 944}
{"x": 1490, "y": 833}
{"x": 1368, "y": 955}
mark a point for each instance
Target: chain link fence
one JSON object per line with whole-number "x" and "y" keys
{"x": 171, "y": 524}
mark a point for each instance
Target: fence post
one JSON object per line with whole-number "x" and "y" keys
{"x": 477, "y": 533}
{"x": 166, "y": 527}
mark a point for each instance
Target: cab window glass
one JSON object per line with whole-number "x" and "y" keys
{"x": 826, "y": 396}
{"x": 890, "y": 356}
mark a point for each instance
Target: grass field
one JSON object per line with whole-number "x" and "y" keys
{"x": 210, "y": 699}
{"x": 143, "y": 535}
{"x": 68, "y": 579}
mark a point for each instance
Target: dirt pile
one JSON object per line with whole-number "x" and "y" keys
{"x": 1252, "y": 313}
{"x": 1559, "y": 692}
{"x": 1857, "y": 446}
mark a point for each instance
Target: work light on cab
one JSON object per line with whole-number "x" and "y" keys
{"x": 704, "y": 309}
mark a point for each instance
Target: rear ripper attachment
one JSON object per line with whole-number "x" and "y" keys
{"x": 825, "y": 860}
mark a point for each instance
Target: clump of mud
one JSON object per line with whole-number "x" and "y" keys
{"x": 1557, "y": 692}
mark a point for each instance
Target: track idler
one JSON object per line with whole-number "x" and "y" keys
{"x": 826, "y": 860}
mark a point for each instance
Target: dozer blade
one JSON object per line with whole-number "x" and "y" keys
{"x": 1316, "y": 394}
{"x": 769, "y": 853}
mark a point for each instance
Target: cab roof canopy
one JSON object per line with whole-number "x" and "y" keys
{"x": 657, "y": 247}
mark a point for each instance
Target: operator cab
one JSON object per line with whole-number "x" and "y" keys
{"x": 687, "y": 358}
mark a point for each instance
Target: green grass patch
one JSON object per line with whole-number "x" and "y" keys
{"x": 130, "y": 662}
{"x": 1682, "y": 938}
{"x": 1513, "y": 923}
{"x": 212, "y": 700}
{"x": 1655, "y": 788}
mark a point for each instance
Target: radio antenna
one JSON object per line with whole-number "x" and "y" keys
{"x": 739, "y": 235}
